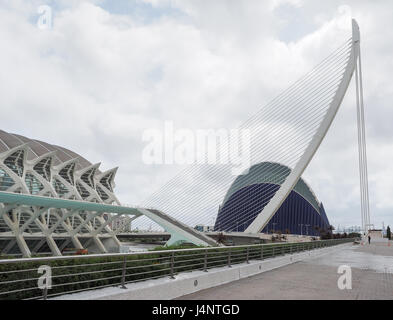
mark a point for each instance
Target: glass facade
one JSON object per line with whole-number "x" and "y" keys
{"x": 67, "y": 173}
{"x": 106, "y": 181}
{"x": 15, "y": 162}
{"x": 82, "y": 191}
{"x": 88, "y": 177}
{"x": 60, "y": 188}
{"x": 6, "y": 181}
{"x": 33, "y": 184}
{"x": 300, "y": 213}
{"x": 34, "y": 167}
{"x": 43, "y": 168}
{"x": 102, "y": 193}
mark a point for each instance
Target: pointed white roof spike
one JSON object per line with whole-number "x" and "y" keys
{"x": 51, "y": 154}
{"x": 103, "y": 174}
{"x": 355, "y": 31}
{"x": 9, "y": 152}
{"x": 84, "y": 170}
{"x": 64, "y": 164}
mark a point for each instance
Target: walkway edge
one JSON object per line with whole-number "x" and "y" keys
{"x": 191, "y": 282}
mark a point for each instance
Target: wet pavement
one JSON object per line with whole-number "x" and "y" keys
{"x": 317, "y": 278}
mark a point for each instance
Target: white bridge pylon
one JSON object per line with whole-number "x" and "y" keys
{"x": 350, "y": 66}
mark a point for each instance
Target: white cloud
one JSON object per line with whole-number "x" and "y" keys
{"x": 97, "y": 79}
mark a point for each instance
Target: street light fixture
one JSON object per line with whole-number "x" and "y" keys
{"x": 301, "y": 228}
{"x": 274, "y": 229}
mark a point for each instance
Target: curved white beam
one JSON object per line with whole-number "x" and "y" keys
{"x": 275, "y": 203}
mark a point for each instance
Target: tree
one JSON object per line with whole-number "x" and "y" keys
{"x": 221, "y": 238}
{"x": 327, "y": 234}
{"x": 388, "y": 233}
{"x": 354, "y": 235}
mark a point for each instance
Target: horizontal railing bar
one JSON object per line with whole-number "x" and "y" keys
{"x": 83, "y": 273}
{"x": 120, "y": 255}
{"x": 190, "y": 265}
{"x": 188, "y": 260}
{"x": 149, "y": 265}
{"x": 140, "y": 280}
{"x": 19, "y": 290}
{"x": 189, "y": 255}
{"x": 85, "y": 281}
{"x": 19, "y": 280}
{"x": 213, "y": 257}
{"x": 147, "y": 272}
{"x": 215, "y": 261}
{"x": 87, "y": 265}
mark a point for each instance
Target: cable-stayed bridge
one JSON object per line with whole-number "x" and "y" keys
{"x": 287, "y": 131}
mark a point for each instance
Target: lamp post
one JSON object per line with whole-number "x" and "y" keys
{"x": 274, "y": 229}
{"x": 307, "y": 225}
{"x": 301, "y": 229}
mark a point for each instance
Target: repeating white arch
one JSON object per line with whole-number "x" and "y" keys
{"x": 19, "y": 220}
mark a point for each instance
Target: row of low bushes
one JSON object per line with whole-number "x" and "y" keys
{"x": 88, "y": 273}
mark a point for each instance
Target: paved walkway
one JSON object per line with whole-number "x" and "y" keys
{"x": 316, "y": 278}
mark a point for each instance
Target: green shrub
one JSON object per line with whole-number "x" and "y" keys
{"x": 19, "y": 280}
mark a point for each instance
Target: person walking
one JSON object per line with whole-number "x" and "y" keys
{"x": 369, "y": 239}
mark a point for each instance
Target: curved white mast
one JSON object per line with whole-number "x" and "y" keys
{"x": 274, "y": 204}
{"x": 363, "y": 172}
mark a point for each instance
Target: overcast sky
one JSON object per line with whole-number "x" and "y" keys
{"x": 107, "y": 70}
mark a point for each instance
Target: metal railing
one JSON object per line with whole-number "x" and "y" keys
{"x": 71, "y": 274}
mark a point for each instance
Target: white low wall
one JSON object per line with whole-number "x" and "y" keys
{"x": 190, "y": 282}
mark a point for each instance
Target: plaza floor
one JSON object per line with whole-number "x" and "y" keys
{"x": 317, "y": 278}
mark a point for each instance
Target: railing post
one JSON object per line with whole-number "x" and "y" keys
{"x": 45, "y": 293}
{"x": 261, "y": 252}
{"x": 248, "y": 253}
{"x": 173, "y": 265}
{"x": 205, "y": 262}
{"x": 229, "y": 258}
{"x": 123, "y": 273}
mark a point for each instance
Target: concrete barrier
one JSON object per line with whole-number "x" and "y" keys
{"x": 190, "y": 282}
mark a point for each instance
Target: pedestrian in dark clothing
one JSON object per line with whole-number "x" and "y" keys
{"x": 369, "y": 239}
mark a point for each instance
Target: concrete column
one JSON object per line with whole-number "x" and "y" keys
{"x": 49, "y": 239}
{"x": 23, "y": 247}
{"x": 69, "y": 229}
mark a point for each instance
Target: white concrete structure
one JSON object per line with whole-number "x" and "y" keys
{"x": 32, "y": 173}
{"x": 348, "y": 63}
{"x": 38, "y": 168}
{"x": 289, "y": 130}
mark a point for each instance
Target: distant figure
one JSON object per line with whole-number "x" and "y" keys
{"x": 369, "y": 239}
